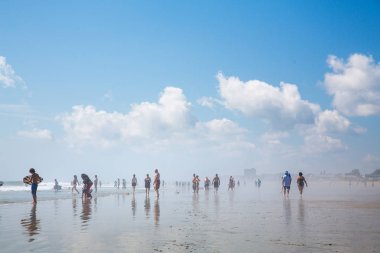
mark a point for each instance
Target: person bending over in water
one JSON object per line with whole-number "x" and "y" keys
{"x": 156, "y": 182}
{"x": 87, "y": 183}
{"x": 286, "y": 182}
{"x": 301, "y": 182}
{"x": 57, "y": 187}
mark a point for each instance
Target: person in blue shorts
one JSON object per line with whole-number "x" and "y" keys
{"x": 35, "y": 180}
{"x": 286, "y": 182}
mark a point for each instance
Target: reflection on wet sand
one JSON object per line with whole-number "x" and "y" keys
{"x": 86, "y": 213}
{"x": 287, "y": 210}
{"x": 195, "y": 202}
{"x": 32, "y": 224}
{"x": 147, "y": 207}
{"x": 156, "y": 211}
{"x": 301, "y": 212}
{"x": 74, "y": 202}
{"x": 133, "y": 205}
{"x": 231, "y": 195}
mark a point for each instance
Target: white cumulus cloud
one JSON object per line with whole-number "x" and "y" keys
{"x": 8, "y": 77}
{"x": 355, "y": 85}
{"x": 281, "y": 106}
{"x": 168, "y": 121}
{"x": 331, "y": 121}
{"x": 325, "y": 134}
{"x": 209, "y": 102}
{"x": 145, "y": 121}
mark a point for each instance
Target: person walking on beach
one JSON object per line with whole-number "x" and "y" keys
{"x": 286, "y": 182}
{"x": 35, "y": 179}
{"x": 134, "y": 183}
{"x": 216, "y": 182}
{"x": 74, "y": 183}
{"x": 118, "y": 183}
{"x": 301, "y": 182}
{"x": 96, "y": 183}
{"x": 156, "y": 182}
{"x": 147, "y": 185}
{"x": 87, "y": 183}
{"x": 258, "y": 183}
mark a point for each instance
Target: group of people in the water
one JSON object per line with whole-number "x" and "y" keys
{"x": 196, "y": 182}
{"x": 88, "y": 183}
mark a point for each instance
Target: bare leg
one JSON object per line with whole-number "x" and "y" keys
{"x": 34, "y": 198}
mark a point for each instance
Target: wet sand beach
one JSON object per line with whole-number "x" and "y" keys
{"x": 329, "y": 218}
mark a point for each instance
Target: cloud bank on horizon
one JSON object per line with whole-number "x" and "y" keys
{"x": 170, "y": 122}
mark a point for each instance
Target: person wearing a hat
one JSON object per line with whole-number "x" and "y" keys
{"x": 286, "y": 182}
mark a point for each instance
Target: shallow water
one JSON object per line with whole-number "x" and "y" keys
{"x": 331, "y": 217}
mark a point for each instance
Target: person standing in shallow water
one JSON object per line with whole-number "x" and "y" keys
{"x": 286, "y": 182}
{"x": 194, "y": 182}
{"x": 35, "y": 179}
{"x": 156, "y": 183}
{"x": 56, "y": 185}
{"x": 134, "y": 183}
{"x": 96, "y": 183}
{"x": 207, "y": 183}
{"x": 216, "y": 182}
{"x": 301, "y": 182}
{"x": 147, "y": 185}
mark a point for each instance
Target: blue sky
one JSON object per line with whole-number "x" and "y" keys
{"x": 121, "y": 87}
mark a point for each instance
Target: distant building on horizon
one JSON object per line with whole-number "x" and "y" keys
{"x": 250, "y": 173}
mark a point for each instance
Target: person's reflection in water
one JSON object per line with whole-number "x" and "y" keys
{"x": 287, "y": 210}
{"x": 301, "y": 212}
{"x": 195, "y": 202}
{"x": 95, "y": 204}
{"x": 32, "y": 224}
{"x": 74, "y": 206}
{"x": 147, "y": 207}
{"x": 156, "y": 212}
{"x": 86, "y": 213}
{"x": 207, "y": 196}
{"x": 231, "y": 195}
{"x": 133, "y": 204}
